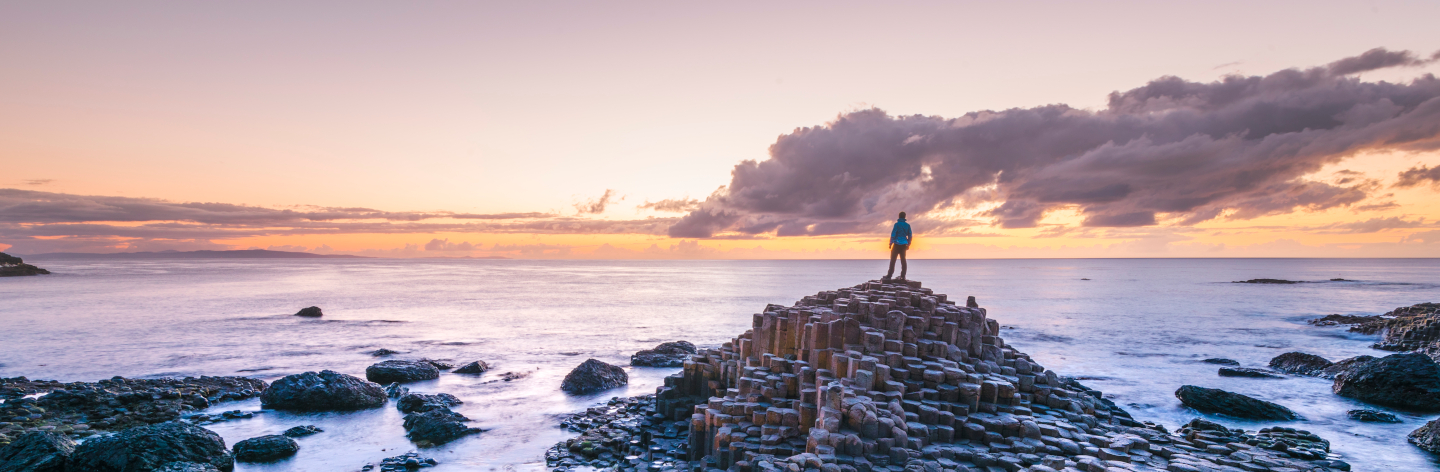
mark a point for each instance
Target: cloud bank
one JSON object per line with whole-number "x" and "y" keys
{"x": 1171, "y": 151}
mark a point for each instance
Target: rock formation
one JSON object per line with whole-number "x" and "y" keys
{"x": 671, "y": 354}
{"x": 266, "y": 448}
{"x": 149, "y": 447}
{"x": 893, "y": 375}
{"x": 310, "y": 312}
{"x": 1427, "y": 437}
{"x": 324, "y": 391}
{"x": 593, "y": 376}
{"x": 1372, "y": 416}
{"x": 11, "y": 266}
{"x": 37, "y": 451}
{"x": 419, "y": 403}
{"x": 435, "y": 427}
{"x": 1400, "y": 380}
{"x": 401, "y": 371}
{"x": 1248, "y": 372}
{"x": 1214, "y": 400}
{"x": 1300, "y": 363}
{"x": 81, "y": 409}
{"x": 477, "y": 367}
{"x": 302, "y": 431}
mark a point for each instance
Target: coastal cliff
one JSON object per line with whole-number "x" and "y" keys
{"x": 893, "y": 376}
{"x": 11, "y": 266}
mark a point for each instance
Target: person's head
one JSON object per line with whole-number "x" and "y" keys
{"x": 902, "y": 215}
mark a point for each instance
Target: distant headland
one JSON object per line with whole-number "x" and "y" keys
{"x": 237, "y": 254}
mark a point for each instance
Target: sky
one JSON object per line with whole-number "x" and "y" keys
{"x": 734, "y": 130}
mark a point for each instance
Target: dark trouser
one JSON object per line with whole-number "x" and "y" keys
{"x": 898, "y": 250}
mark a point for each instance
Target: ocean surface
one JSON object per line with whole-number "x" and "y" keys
{"x": 1136, "y": 329}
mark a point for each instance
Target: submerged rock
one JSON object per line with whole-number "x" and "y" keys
{"x": 1221, "y": 361}
{"x": 187, "y": 467}
{"x": 1427, "y": 437}
{"x": 323, "y": 391}
{"x": 401, "y": 371}
{"x": 1248, "y": 372}
{"x": 436, "y": 427}
{"x": 477, "y": 367}
{"x": 1372, "y": 416}
{"x": 36, "y": 451}
{"x": 310, "y": 312}
{"x": 302, "y": 431}
{"x": 671, "y": 354}
{"x": 417, "y": 403}
{"x": 1409, "y": 380}
{"x": 442, "y": 365}
{"x": 1300, "y": 363}
{"x": 149, "y": 447}
{"x": 382, "y": 352}
{"x": 1214, "y": 400}
{"x": 265, "y": 448}
{"x": 405, "y": 462}
{"x": 594, "y": 376}
{"x": 1267, "y": 281}
{"x": 1338, "y": 319}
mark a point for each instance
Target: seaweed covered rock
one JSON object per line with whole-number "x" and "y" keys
{"x": 1300, "y": 363}
{"x": 1214, "y": 400}
{"x": 36, "y": 451}
{"x": 401, "y": 371}
{"x": 150, "y": 447}
{"x": 671, "y": 354}
{"x": 593, "y": 376}
{"x": 1410, "y": 380}
{"x": 267, "y": 448}
{"x": 323, "y": 391}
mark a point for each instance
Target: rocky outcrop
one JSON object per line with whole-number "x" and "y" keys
{"x": 382, "y": 352}
{"x": 323, "y": 391}
{"x": 81, "y": 409}
{"x": 1300, "y": 363}
{"x": 37, "y": 451}
{"x": 1371, "y": 416}
{"x": 11, "y": 266}
{"x": 150, "y": 447}
{"x": 593, "y": 376}
{"x": 404, "y": 463}
{"x": 671, "y": 354}
{"x": 1338, "y": 319}
{"x": 401, "y": 371}
{"x": 436, "y": 427}
{"x": 310, "y": 312}
{"x": 1288, "y": 441}
{"x": 438, "y": 364}
{"x": 187, "y": 467}
{"x": 266, "y": 448}
{"x": 1248, "y": 372}
{"x": 302, "y": 431}
{"x": 1409, "y": 381}
{"x": 1214, "y": 400}
{"x": 477, "y": 367}
{"x": 1427, "y": 437}
{"x": 419, "y": 403}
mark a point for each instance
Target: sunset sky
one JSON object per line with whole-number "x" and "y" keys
{"x": 722, "y": 129}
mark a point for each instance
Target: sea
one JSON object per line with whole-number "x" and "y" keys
{"x": 1135, "y": 329}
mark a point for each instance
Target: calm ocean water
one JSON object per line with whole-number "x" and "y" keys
{"x": 1136, "y": 329}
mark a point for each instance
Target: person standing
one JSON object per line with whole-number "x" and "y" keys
{"x": 900, "y": 238}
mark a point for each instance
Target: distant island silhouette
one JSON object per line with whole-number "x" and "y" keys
{"x": 237, "y": 254}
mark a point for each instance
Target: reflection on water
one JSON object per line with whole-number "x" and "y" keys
{"x": 1137, "y": 330}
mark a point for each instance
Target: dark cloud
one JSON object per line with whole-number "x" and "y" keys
{"x": 597, "y": 205}
{"x": 1419, "y": 175}
{"x": 38, "y": 182}
{"x": 1171, "y": 151}
{"x": 672, "y": 205}
{"x": 1378, "y": 58}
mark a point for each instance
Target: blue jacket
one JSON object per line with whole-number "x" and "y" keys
{"x": 901, "y": 233}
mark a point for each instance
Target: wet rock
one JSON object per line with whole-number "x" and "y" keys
{"x": 382, "y": 352}
{"x": 36, "y": 451}
{"x": 1427, "y": 437}
{"x": 1296, "y": 443}
{"x": 1214, "y": 400}
{"x": 395, "y": 390}
{"x": 417, "y": 403}
{"x": 11, "y": 266}
{"x": 671, "y": 354}
{"x": 436, "y": 427}
{"x": 187, "y": 467}
{"x": 476, "y": 367}
{"x": 1248, "y": 372}
{"x": 1300, "y": 363}
{"x": 268, "y": 448}
{"x": 1413, "y": 328}
{"x": 1221, "y": 361}
{"x": 442, "y": 365}
{"x": 149, "y": 447}
{"x": 1409, "y": 380}
{"x": 310, "y": 312}
{"x": 80, "y": 409}
{"x": 1267, "y": 281}
{"x": 1338, "y": 319}
{"x": 401, "y": 371}
{"x": 1372, "y": 416}
{"x": 406, "y": 462}
{"x": 323, "y": 391}
{"x": 302, "y": 431}
{"x": 593, "y": 376}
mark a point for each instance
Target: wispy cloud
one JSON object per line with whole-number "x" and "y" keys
{"x": 596, "y": 206}
{"x": 672, "y": 205}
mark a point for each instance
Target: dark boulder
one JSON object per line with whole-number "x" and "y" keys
{"x": 1221, "y": 361}
{"x": 442, "y": 365}
{"x": 187, "y": 467}
{"x": 594, "y": 376}
{"x": 1372, "y": 416}
{"x": 149, "y": 447}
{"x": 324, "y": 391}
{"x": 302, "y": 431}
{"x": 1248, "y": 372}
{"x": 1427, "y": 437}
{"x": 401, "y": 371}
{"x": 1214, "y": 400}
{"x": 382, "y": 352}
{"x": 1410, "y": 380}
{"x": 36, "y": 451}
{"x": 436, "y": 427}
{"x": 477, "y": 367}
{"x": 310, "y": 312}
{"x": 418, "y": 402}
{"x": 1300, "y": 363}
{"x": 268, "y": 448}
{"x": 671, "y": 354}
